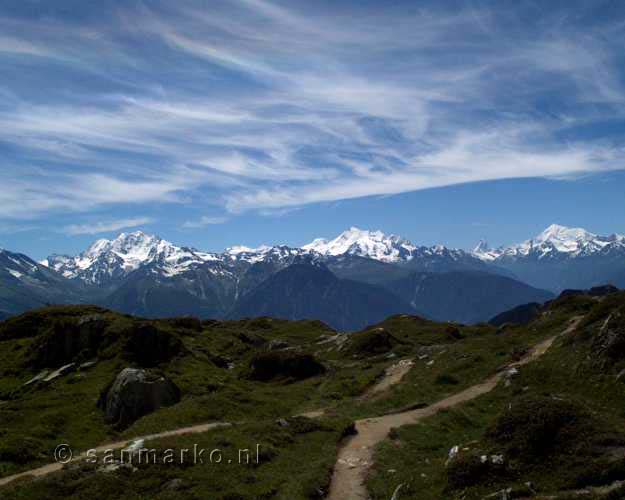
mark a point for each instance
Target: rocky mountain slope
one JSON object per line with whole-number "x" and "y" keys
{"x": 465, "y": 296}
{"x": 308, "y": 290}
{"x": 26, "y": 284}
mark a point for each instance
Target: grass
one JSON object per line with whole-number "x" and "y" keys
{"x": 294, "y": 462}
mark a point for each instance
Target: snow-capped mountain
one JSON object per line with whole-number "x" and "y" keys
{"x": 555, "y": 242}
{"x": 390, "y": 249}
{"x": 263, "y": 253}
{"x": 107, "y": 260}
{"x": 145, "y": 275}
{"x": 561, "y": 257}
{"x": 483, "y": 252}
{"x": 372, "y": 244}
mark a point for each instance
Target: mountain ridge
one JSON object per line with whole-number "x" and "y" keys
{"x": 143, "y": 274}
{"x": 107, "y": 260}
{"x": 561, "y": 257}
{"x": 555, "y": 239}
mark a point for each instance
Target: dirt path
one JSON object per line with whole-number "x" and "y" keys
{"x": 392, "y": 376}
{"x": 54, "y": 467}
{"x": 356, "y": 457}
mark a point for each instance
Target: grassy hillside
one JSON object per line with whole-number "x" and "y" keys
{"x": 556, "y": 426}
{"x": 215, "y": 365}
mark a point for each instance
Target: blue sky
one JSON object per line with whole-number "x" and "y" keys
{"x": 248, "y": 121}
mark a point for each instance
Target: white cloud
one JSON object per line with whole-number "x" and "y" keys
{"x": 274, "y": 106}
{"x": 204, "y": 221}
{"x": 106, "y": 227}
{"x": 20, "y": 47}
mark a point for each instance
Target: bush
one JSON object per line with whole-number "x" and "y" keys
{"x": 532, "y": 427}
{"x": 271, "y": 365}
{"x": 446, "y": 379}
{"x": 19, "y": 450}
{"x": 454, "y": 332}
{"x": 466, "y": 470}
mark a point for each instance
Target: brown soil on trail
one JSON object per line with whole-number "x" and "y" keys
{"x": 55, "y": 467}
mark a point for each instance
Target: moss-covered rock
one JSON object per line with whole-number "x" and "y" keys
{"x": 148, "y": 345}
{"x": 67, "y": 339}
{"x": 371, "y": 342}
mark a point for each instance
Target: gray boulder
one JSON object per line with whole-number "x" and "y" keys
{"x": 37, "y": 378}
{"x": 135, "y": 393}
{"x": 64, "y": 370}
{"x": 277, "y": 345}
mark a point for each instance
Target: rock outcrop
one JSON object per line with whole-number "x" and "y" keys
{"x": 608, "y": 344}
{"x": 67, "y": 340}
{"x": 135, "y": 393}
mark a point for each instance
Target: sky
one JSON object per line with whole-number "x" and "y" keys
{"x": 253, "y": 121}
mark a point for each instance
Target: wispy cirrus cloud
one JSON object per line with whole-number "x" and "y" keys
{"x": 106, "y": 227}
{"x": 260, "y": 105}
{"x": 17, "y": 46}
{"x": 204, "y": 221}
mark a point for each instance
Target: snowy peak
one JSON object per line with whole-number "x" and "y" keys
{"x": 133, "y": 249}
{"x": 107, "y": 260}
{"x": 565, "y": 239}
{"x": 555, "y": 241}
{"x": 483, "y": 252}
{"x": 373, "y": 244}
{"x": 482, "y": 246}
{"x": 263, "y": 253}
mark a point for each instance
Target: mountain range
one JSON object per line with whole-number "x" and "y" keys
{"x": 355, "y": 279}
{"x": 561, "y": 257}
